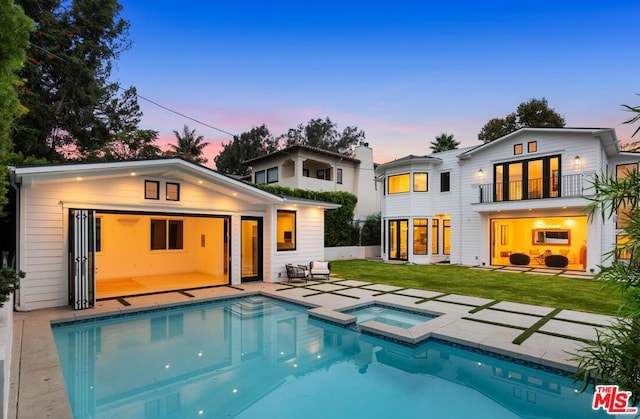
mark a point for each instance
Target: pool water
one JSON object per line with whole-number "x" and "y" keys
{"x": 389, "y": 315}
{"x": 262, "y": 358}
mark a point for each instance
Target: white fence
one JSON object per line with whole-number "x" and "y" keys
{"x": 351, "y": 252}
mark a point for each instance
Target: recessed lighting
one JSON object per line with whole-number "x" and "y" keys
{"x": 132, "y": 173}
{"x": 78, "y": 178}
{"x": 200, "y": 182}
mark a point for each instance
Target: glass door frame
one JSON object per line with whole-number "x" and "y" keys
{"x": 395, "y": 238}
{"x": 257, "y": 251}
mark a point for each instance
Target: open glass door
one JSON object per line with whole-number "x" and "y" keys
{"x": 251, "y": 249}
{"x": 82, "y": 271}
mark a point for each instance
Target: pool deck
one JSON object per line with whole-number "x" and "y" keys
{"x": 543, "y": 335}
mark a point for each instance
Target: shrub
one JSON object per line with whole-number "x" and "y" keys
{"x": 9, "y": 282}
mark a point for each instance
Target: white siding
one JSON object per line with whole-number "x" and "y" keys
{"x": 46, "y": 198}
{"x": 470, "y": 218}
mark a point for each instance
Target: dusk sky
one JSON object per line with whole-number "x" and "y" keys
{"x": 402, "y": 71}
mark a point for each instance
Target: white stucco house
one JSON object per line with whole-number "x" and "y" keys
{"x": 102, "y": 230}
{"x": 523, "y": 194}
{"x": 315, "y": 169}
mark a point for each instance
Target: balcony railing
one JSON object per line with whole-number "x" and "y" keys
{"x": 553, "y": 187}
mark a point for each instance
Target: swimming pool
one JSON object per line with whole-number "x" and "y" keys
{"x": 262, "y": 358}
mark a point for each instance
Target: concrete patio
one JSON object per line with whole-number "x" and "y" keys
{"x": 543, "y": 335}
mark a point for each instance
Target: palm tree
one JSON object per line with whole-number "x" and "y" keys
{"x": 444, "y": 142}
{"x": 190, "y": 147}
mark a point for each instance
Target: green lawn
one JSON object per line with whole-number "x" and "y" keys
{"x": 551, "y": 291}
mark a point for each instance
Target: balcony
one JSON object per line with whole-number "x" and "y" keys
{"x": 553, "y": 187}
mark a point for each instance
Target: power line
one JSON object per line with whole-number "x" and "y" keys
{"x": 144, "y": 98}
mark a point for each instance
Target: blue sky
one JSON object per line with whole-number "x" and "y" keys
{"x": 402, "y": 71}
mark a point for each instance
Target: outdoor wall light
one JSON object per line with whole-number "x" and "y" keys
{"x": 577, "y": 161}
{"x": 480, "y": 173}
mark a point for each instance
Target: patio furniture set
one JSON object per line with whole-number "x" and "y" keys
{"x": 297, "y": 271}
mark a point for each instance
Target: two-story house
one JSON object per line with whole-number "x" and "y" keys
{"x": 315, "y": 169}
{"x": 524, "y": 193}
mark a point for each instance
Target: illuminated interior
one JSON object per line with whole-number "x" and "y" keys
{"x": 399, "y": 183}
{"x": 286, "y": 230}
{"x": 127, "y": 265}
{"x": 536, "y": 237}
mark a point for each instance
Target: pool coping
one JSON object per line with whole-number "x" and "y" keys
{"x": 37, "y": 386}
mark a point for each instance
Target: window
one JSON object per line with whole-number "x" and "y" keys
{"x": 528, "y": 179}
{"x": 259, "y": 177}
{"x": 286, "y": 230}
{"x": 517, "y": 149}
{"x": 622, "y": 172}
{"x": 339, "y": 176}
{"x": 420, "y": 182}
{"x": 173, "y": 191}
{"x": 305, "y": 172}
{"x": 166, "y": 234}
{"x": 622, "y": 248}
{"x": 151, "y": 189}
{"x": 327, "y": 174}
{"x": 445, "y": 182}
{"x": 446, "y": 237}
{"x": 320, "y": 174}
{"x": 532, "y": 146}
{"x": 272, "y": 175}
{"x": 435, "y": 237}
{"x": 420, "y": 233}
{"x": 399, "y": 183}
{"x": 98, "y": 234}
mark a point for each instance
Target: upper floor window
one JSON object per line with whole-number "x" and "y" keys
{"x": 517, "y": 149}
{"x": 532, "y": 146}
{"x": 286, "y": 227}
{"x": 173, "y": 191}
{"x": 445, "y": 182}
{"x": 527, "y": 179}
{"x": 151, "y": 189}
{"x": 399, "y": 183}
{"x": 338, "y": 175}
{"x": 260, "y": 177}
{"x": 420, "y": 182}
{"x": 272, "y": 175}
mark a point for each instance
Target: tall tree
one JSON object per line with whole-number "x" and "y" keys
{"x": 190, "y": 146}
{"x": 532, "y": 114}
{"x": 14, "y": 40}
{"x": 444, "y": 142}
{"x": 254, "y": 143}
{"x": 67, "y": 76}
{"x": 127, "y": 141}
{"x": 323, "y": 134}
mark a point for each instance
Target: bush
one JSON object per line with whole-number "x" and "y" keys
{"x": 9, "y": 282}
{"x": 370, "y": 234}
